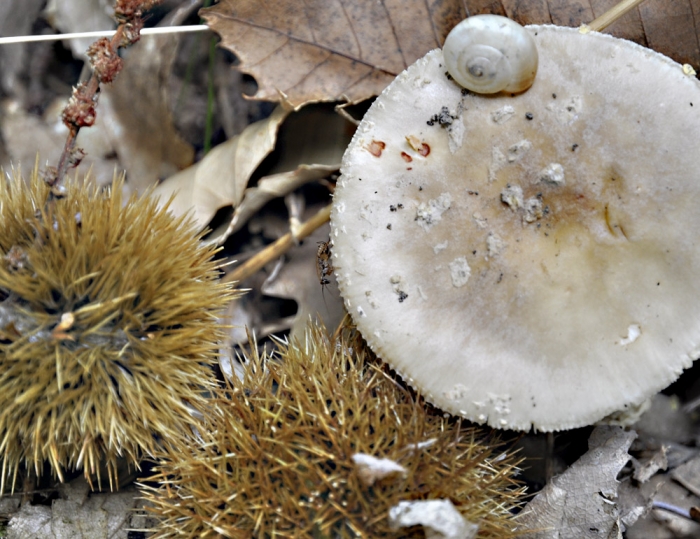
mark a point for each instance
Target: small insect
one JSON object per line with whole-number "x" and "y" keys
{"x": 324, "y": 266}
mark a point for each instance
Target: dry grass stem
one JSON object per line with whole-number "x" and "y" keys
{"x": 278, "y": 247}
{"x": 606, "y": 19}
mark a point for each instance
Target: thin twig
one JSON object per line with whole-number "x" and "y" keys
{"x": 614, "y": 13}
{"x": 690, "y": 514}
{"x": 279, "y": 247}
{"x": 12, "y": 40}
{"x": 89, "y": 95}
{"x": 106, "y": 64}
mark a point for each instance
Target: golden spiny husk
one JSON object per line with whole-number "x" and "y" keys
{"x": 108, "y": 328}
{"x": 276, "y": 458}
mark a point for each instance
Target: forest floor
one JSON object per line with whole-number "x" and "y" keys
{"x": 178, "y": 97}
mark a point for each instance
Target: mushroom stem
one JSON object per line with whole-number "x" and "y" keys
{"x": 279, "y": 247}
{"x": 606, "y": 19}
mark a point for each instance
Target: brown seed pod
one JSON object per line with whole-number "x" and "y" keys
{"x": 280, "y": 456}
{"x": 107, "y": 328}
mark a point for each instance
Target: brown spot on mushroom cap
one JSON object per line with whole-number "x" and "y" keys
{"x": 375, "y": 147}
{"x": 567, "y": 309}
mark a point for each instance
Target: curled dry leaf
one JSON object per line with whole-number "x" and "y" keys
{"x": 179, "y": 187}
{"x": 274, "y": 186}
{"x": 310, "y": 146}
{"x": 581, "y": 503}
{"x": 317, "y": 134}
{"x": 221, "y": 177}
{"x": 351, "y": 49}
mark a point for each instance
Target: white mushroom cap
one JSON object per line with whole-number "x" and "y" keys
{"x": 529, "y": 260}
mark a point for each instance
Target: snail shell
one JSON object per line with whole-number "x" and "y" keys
{"x": 489, "y": 53}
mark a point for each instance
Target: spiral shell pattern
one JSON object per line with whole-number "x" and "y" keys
{"x": 488, "y": 54}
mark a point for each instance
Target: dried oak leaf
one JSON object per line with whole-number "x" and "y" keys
{"x": 322, "y": 50}
{"x": 582, "y": 503}
{"x": 349, "y": 50}
{"x": 274, "y": 186}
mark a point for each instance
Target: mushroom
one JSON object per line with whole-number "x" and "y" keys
{"x": 529, "y": 260}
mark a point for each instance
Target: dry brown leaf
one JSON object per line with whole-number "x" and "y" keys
{"x": 135, "y": 110}
{"x": 349, "y": 50}
{"x": 316, "y": 135}
{"x": 581, "y": 503}
{"x": 177, "y": 189}
{"x": 324, "y": 50}
{"x": 221, "y": 177}
{"x": 307, "y": 147}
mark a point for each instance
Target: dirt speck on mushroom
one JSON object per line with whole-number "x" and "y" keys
{"x": 429, "y": 214}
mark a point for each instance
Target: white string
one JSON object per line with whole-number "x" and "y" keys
{"x": 103, "y": 33}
